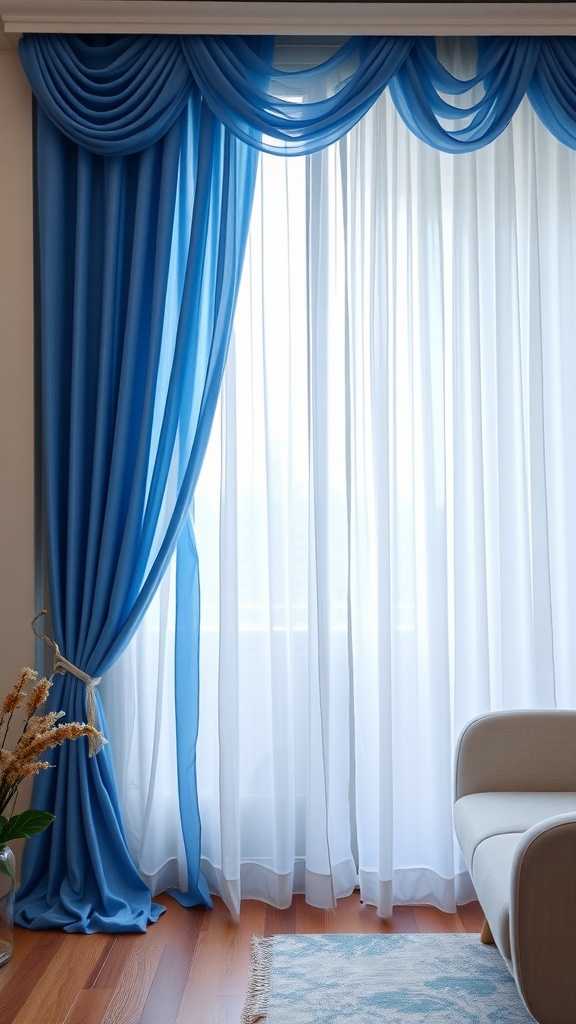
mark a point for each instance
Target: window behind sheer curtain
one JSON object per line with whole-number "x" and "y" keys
{"x": 384, "y": 514}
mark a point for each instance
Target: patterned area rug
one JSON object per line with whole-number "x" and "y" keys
{"x": 380, "y": 979}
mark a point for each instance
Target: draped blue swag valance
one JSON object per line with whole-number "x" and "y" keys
{"x": 124, "y": 95}
{"x": 145, "y": 166}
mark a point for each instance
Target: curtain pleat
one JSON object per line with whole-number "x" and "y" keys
{"x": 139, "y": 256}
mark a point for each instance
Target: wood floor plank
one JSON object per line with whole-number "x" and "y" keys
{"x": 231, "y": 1009}
{"x": 24, "y": 942}
{"x": 346, "y": 918}
{"x": 129, "y": 972}
{"x": 309, "y": 920}
{"x": 281, "y": 921}
{"x": 362, "y": 917}
{"x": 429, "y": 919}
{"x": 33, "y": 952}
{"x": 112, "y": 964}
{"x": 237, "y": 962}
{"x": 169, "y": 983}
{"x": 167, "y": 988}
{"x": 25, "y": 952}
{"x": 472, "y": 916}
{"x": 92, "y": 979}
{"x": 220, "y": 963}
{"x": 64, "y": 974}
{"x": 89, "y": 1007}
{"x": 200, "y": 1001}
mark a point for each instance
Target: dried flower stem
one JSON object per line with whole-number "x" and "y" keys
{"x": 14, "y": 699}
{"x": 39, "y": 734}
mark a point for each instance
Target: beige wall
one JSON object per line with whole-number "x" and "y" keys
{"x": 16, "y": 373}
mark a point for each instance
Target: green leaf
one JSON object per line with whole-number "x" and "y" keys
{"x": 24, "y": 825}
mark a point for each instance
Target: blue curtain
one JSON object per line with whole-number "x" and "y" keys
{"x": 139, "y": 257}
{"x": 146, "y": 156}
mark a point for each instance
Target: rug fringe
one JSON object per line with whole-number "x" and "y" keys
{"x": 256, "y": 1005}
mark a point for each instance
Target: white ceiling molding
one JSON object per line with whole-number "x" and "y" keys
{"x": 281, "y": 18}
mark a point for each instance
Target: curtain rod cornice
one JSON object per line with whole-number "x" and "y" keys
{"x": 237, "y": 17}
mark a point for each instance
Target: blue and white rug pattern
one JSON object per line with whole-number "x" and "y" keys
{"x": 380, "y": 979}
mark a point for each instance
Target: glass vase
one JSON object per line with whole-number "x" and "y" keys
{"x": 7, "y": 878}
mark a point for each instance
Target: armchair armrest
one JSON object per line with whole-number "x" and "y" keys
{"x": 543, "y": 919}
{"x": 517, "y": 751}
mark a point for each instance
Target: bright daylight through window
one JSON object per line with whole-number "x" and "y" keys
{"x": 383, "y": 515}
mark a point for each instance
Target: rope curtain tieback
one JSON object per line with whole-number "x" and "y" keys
{"x": 61, "y": 666}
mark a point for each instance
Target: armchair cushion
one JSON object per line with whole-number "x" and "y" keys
{"x": 479, "y": 816}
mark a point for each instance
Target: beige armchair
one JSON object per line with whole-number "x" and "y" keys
{"x": 515, "y": 819}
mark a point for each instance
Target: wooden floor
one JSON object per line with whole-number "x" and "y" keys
{"x": 191, "y": 967}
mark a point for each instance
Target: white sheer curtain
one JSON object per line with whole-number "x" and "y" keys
{"x": 384, "y": 519}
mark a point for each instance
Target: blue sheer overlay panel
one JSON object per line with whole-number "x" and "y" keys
{"x": 278, "y": 111}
